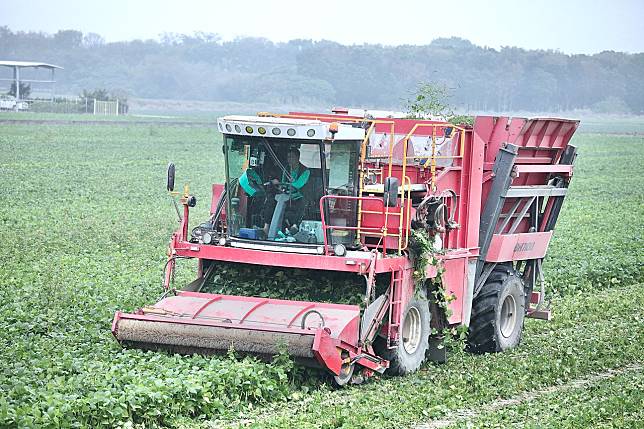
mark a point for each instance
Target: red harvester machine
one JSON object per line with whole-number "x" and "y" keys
{"x": 486, "y": 197}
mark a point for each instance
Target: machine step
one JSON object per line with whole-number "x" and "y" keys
{"x": 535, "y": 191}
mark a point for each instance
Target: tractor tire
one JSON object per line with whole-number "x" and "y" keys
{"x": 498, "y": 312}
{"x": 409, "y": 354}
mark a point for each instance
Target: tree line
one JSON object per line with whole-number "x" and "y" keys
{"x": 204, "y": 67}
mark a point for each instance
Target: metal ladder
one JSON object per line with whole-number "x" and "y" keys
{"x": 395, "y": 309}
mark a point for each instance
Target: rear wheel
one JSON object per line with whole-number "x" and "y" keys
{"x": 409, "y": 354}
{"x": 498, "y": 312}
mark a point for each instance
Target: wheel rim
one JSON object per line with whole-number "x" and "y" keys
{"x": 346, "y": 372}
{"x": 411, "y": 330}
{"x": 508, "y": 316}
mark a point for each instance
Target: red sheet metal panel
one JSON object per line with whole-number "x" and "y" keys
{"x": 516, "y": 247}
{"x": 454, "y": 280}
{"x": 263, "y": 313}
{"x": 217, "y": 190}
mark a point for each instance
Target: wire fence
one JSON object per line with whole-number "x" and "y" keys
{"x": 89, "y": 106}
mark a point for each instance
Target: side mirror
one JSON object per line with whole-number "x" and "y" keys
{"x": 390, "y": 195}
{"x": 170, "y": 184}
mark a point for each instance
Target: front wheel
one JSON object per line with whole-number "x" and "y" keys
{"x": 409, "y": 354}
{"x": 498, "y": 312}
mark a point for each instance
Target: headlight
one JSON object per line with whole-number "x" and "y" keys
{"x": 206, "y": 238}
{"x": 339, "y": 250}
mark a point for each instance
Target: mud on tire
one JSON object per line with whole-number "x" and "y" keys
{"x": 498, "y": 312}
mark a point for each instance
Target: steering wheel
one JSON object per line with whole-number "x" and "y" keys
{"x": 282, "y": 186}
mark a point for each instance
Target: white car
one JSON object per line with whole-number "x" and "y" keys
{"x": 7, "y": 102}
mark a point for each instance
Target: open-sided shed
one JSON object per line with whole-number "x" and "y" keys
{"x": 17, "y": 66}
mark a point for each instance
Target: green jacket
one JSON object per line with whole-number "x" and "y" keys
{"x": 252, "y": 183}
{"x": 300, "y": 178}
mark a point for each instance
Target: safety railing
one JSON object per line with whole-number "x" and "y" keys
{"x": 381, "y": 231}
{"x": 429, "y": 161}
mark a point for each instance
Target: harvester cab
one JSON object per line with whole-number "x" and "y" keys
{"x": 276, "y": 172}
{"x": 374, "y": 199}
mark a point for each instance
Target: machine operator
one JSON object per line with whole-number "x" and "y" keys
{"x": 299, "y": 177}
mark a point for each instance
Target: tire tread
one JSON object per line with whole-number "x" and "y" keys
{"x": 482, "y": 329}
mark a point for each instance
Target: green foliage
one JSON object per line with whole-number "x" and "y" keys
{"x": 102, "y": 94}
{"x": 421, "y": 252}
{"x": 97, "y": 94}
{"x": 286, "y": 283}
{"x": 461, "y": 120}
{"x": 430, "y": 99}
{"x": 25, "y": 90}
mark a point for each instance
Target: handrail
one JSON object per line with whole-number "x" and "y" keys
{"x": 326, "y": 227}
{"x": 433, "y": 156}
{"x": 378, "y": 231}
{"x": 402, "y": 208}
{"x": 363, "y": 151}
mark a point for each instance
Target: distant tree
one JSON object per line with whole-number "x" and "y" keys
{"x": 25, "y": 90}
{"x": 103, "y": 95}
{"x": 93, "y": 40}
{"x": 68, "y": 39}
{"x": 97, "y": 94}
{"x": 201, "y": 66}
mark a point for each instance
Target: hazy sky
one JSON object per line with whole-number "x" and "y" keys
{"x": 572, "y": 26}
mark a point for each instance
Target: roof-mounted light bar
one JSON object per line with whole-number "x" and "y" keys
{"x": 287, "y": 128}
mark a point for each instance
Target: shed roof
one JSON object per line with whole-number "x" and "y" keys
{"x": 28, "y": 64}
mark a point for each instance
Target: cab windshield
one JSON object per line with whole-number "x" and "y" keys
{"x": 276, "y": 184}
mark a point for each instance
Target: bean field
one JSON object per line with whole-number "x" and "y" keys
{"x": 84, "y": 223}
